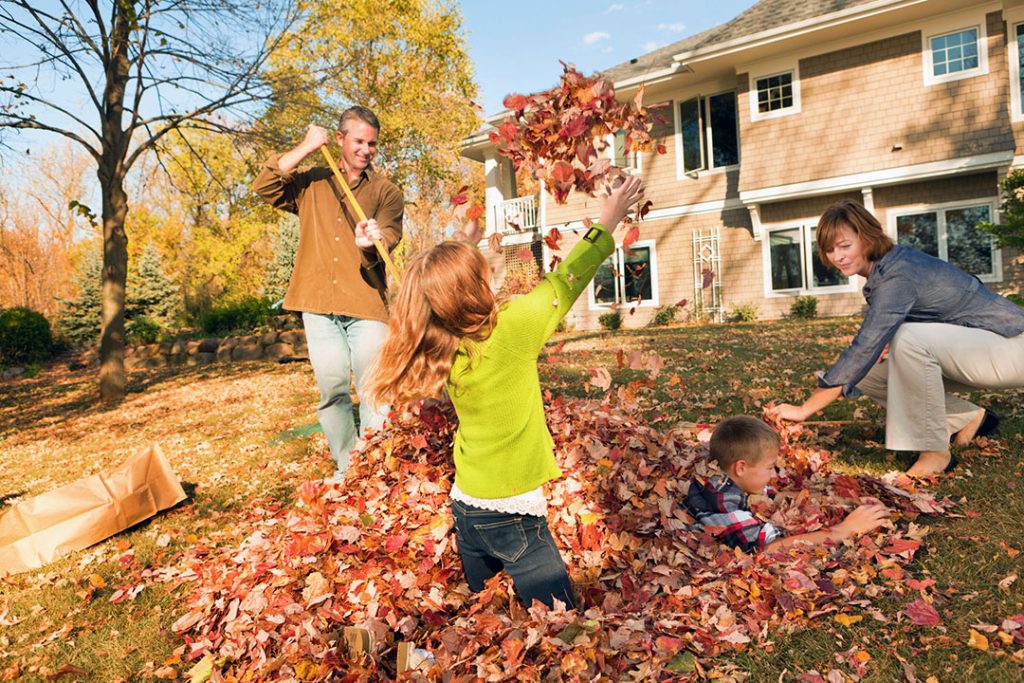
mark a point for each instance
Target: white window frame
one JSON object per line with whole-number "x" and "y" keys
{"x": 707, "y": 137}
{"x": 1013, "y": 58}
{"x": 940, "y": 209}
{"x": 948, "y": 26}
{"x": 805, "y": 225}
{"x": 756, "y": 114}
{"x": 594, "y": 305}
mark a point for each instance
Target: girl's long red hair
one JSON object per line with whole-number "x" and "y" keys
{"x": 445, "y": 299}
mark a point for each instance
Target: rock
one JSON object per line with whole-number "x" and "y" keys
{"x": 224, "y": 352}
{"x": 276, "y": 351}
{"x": 179, "y": 348}
{"x": 292, "y": 337}
{"x": 201, "y": 358}
{"x": 11, "y": 373}
{"x": 251, "y": 351}
{"x": 268, "y": 338}
{"x": 209, "y": 345}
{"x": 249, "y": 339}
{"x": 192, "y": 347}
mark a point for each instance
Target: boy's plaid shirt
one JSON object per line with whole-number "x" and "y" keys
{"x": 721, "y": 508}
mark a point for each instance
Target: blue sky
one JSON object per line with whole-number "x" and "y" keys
{"x": 515, "y": 47}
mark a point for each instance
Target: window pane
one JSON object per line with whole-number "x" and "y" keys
{"x": 1020, "y": 61}
{"x": 724, "y": 139}
{"x": 637, "y": 275}
{"x": 919, "y": 230}
{"x": 690, "y": 127}
{"x": 775, "y": 92}
{"x": 955, "y": 52}
{"x": 823, "y": 275}
{"x": 970, "y": 248}
{"x": 605, "y": 282}
{"x": 622, "y": 158}
{"x": 785, "y": 253}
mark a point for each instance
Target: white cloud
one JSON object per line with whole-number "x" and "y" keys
{"x": 678, "y": 27}
{"x": 614, "y": 8}
{"x": 650, "y": 46}
{"x": 595, "y": 36}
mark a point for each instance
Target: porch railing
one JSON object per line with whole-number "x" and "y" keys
{"x": 517, "y": 214}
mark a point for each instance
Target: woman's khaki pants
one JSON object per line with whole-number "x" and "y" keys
{"x": 926, "y": 362}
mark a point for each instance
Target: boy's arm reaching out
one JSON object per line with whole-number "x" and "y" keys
{"x": 864, "y": 519}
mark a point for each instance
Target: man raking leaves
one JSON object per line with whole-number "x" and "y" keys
{"x": 339, "y": 281}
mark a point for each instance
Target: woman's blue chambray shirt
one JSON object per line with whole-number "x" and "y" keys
{"x": 907, "y": 285}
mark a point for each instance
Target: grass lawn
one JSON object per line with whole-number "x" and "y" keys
{"x": 221, "y": 427}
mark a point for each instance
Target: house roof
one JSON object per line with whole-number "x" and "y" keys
{"x": 763, "y": 16}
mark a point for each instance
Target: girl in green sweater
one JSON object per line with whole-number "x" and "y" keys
{"x": 449, "y": 330}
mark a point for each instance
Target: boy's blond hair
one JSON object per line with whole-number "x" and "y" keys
{"x": 742, "y": 438}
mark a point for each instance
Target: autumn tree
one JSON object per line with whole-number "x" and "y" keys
{"x": 131, "y": 71}
{"x": 404, "y": 59}
{"x": 38, "y": 226}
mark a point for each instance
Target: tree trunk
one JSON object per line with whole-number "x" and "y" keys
{"x": 111, "y": 172}
{"x": 115, "y": 275}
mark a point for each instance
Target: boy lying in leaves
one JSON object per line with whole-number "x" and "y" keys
{"x": 746, "y": 450}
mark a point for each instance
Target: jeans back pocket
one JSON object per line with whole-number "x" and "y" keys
{"x": 505, "y": 540}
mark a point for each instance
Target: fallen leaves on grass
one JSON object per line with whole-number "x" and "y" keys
{"x": 658, "y": 599}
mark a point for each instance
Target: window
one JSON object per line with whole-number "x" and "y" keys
{"x": 950, "y": 55}
{"x": 709, "y": 132}
{"x": 952, "y": 234}
{"x": 620, "y": 157}
{"x": 627, "y": 277}
{"x": 794, "y": 263}
{"x": 1017, "y": 72}
{"x": 955, "y": 52}
{"x": 775, "y": 93}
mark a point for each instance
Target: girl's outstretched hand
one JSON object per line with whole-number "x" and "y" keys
{"x": 616, "y": 202}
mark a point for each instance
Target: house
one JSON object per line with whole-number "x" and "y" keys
{"x": 912, "y": 107}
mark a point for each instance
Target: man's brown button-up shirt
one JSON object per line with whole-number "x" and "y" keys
{"x": 331, "y": 274}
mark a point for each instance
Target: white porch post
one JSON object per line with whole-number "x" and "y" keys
{"x": 492, "y": 194}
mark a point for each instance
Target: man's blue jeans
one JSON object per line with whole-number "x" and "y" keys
{"x": 521, "y": 544}
{"x": 340, "y": 345}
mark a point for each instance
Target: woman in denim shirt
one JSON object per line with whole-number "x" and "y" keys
{"x": 945, "y": 331}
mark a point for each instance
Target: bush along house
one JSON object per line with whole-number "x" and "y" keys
{"x": 914, "y": 108}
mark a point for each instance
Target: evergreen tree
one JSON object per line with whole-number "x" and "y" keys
{"x": 150, "y": 292}
{"x": 279, "y": 271}
{"x": 79, "y": 319}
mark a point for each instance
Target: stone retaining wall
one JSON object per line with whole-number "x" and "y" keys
{"x": 269, "y": 346}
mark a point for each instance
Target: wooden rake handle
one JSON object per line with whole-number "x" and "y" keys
{"x": 385, "y": 256}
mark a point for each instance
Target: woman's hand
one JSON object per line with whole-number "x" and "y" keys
{"x": 788, "y": 412}
{"x": 815, "y": 402}
{"x": 617, "y": 201}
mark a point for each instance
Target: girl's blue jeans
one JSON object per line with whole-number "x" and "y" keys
{"x": 521, "y": 544}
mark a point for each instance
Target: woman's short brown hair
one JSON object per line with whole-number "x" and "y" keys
{"x": 852, "y": 215}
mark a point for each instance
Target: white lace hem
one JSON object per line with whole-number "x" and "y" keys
{"x": 529, "y": 503}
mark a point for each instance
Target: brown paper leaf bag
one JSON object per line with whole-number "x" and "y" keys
{"x": 39, "y": 530}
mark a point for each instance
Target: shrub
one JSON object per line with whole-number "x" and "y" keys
{"x": 665, "y": 315}
{"x": 804, "y": 307}
{"x": 744, "y": 313}
{"x": 610, "y": 321}
{"x": 239, "y": 315}
{"x": 142, "y": 330}
{"x": 25, "y": 336}
{"x": 1016, "y": 298}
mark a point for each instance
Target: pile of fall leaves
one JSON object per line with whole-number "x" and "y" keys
{"x": 658, "y": 598}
